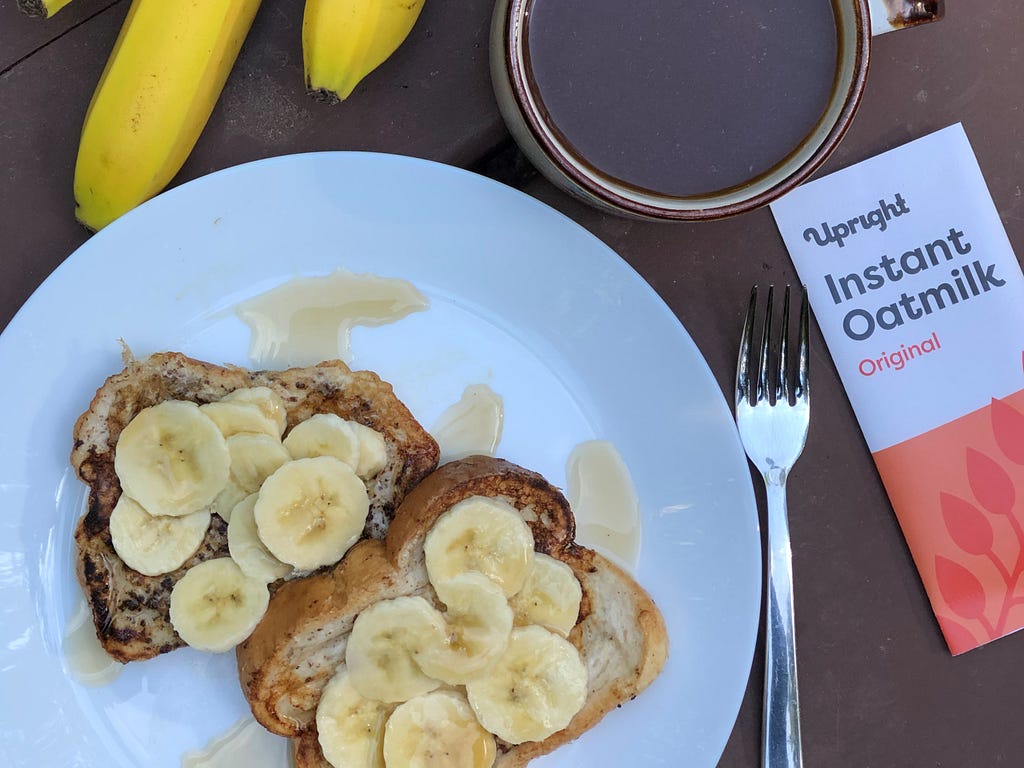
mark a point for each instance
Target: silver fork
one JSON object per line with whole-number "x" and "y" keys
{"x": 772, "y": 422}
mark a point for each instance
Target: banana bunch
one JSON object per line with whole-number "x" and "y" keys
{"x": 166, "y": 72}
{"x": 344, "y": 40}
{"x": 291, "y": 506}
{"x": 419, "y": 683}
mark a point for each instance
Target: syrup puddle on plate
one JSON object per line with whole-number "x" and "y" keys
{"x": 247, "y": 744}
{"x": 87, "y": 662}
{"x": 472, "y": 425}
{"x": 604, "y": 501}
{"x": 309, "y": 319}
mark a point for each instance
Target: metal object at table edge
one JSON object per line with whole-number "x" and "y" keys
{"x": 773, "y": 431}
{"x": 890, "y": 15}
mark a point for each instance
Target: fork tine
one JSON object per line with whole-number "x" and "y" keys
{"x": 743, "y": 363}
{"x": 782, "y": 375}
{"x": 762, "y": 379}
{"x": 803, "y": 385}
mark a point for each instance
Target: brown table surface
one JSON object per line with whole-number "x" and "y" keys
{"x": 878, "y": 686}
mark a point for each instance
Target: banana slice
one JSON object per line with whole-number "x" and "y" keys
{"x": 310, "y": 511}
{"x": 155, "y": 545}
{"x": 478, "y": 622}
{"x": 480, "y": 534}
{"x": 373, "y": 453}
{"x": 215, "y": 606}
{"x": 438, "y": 730}
{"x": 248, "y": 550}
{"x": 551, "y": 596}
{"x": 535, "y": 689}
{"x": 234, "y": 417}
{"x": 254, "y": 458}
{"x": 350, "y": 727}
{"x": 266, "y": 400}
{"x": 227, "y": 499}
{"x": 324, "y": 434}
{"x": 172, "y": 459}
{"x": 385, "y": 645}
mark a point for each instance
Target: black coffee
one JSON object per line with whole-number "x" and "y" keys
{"x": 683, "y": 97}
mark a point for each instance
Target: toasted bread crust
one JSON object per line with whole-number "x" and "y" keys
{"x": 130, "y": 610}
{"x": 286, "y": 663}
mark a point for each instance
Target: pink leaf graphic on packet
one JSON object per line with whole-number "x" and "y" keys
{"x": 990, "y": 483}
{"x": 962, "y": 592}
{"x": 1008, "y": 427}
{"x": 957, "y": 635}
{"x": 969, "y": 528}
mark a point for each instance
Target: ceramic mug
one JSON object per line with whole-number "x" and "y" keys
{"x": 542, "y": 117}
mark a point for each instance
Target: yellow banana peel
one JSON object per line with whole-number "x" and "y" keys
{"x": 161, "y": 82}
{"x": 42, "y": 8}
{"x": 344, "y": 40}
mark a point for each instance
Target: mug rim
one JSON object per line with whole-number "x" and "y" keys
{"x": 541, "y": 130}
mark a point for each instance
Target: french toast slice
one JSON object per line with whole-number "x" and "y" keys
{"x": 288, "y": 660}
{"x": 130, "y": 610}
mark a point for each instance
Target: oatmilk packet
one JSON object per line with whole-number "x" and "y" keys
{"x": 920, "y": 299}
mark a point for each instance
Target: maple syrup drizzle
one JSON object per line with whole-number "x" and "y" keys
{"x": 88, "y": 663}
{"x": 309, "y": 319}
{"x": 604, "y": 501}
{"x": 472, "y": 425}
{"x": 246, "y": 743}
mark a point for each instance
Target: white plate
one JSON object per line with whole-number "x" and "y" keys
{"x": 578, "y": 345}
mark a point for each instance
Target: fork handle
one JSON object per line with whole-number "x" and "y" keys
{"x": 781, "y": 735}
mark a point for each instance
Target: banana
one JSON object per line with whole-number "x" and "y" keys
{"x": 235, "y": 417}
{"x": 155, "y": 545}
{"x": 437, "y": 730}
{"x": 385, "y": 644}
{"x": 248, "y": 550}
{"x": 215, "y": 606}
{"x": 480, "y": 534}
{"x": 164, "y": 75}
{"x": 310, "y": 511}
{"x": 551, "y": 596}
{"x": 478, "y": 621}
{"x": 350, "y": 727}
{"x": 254, "y": 458}
{"x": 172, "y": 459}
{"x": 42, "y": 8}
{"x": 536, "y": 687}
{"x": 266, "y": 400}
{"x": 373, "y": 451}
{"x": 324, "y": 434}
{"x": 344, "y": 40}
{"x": 230, "y": 495}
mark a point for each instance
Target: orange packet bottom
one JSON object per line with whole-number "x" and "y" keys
{"x": 958, "y": 492}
